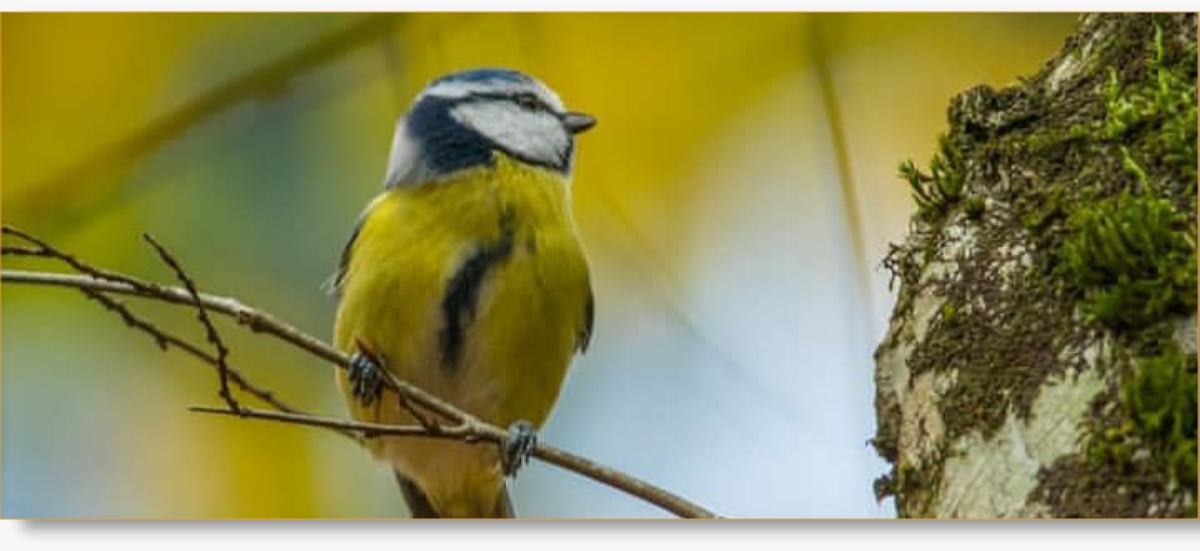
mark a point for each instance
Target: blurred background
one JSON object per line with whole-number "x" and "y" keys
{"x": 736, "y": 201}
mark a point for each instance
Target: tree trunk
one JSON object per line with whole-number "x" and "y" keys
{"x": 1041, "y": 357}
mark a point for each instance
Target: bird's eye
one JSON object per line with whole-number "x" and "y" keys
{"x": 528, "y": 101}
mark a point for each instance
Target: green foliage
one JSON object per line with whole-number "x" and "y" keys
{"x": 1050, "y": 137}
{"x": 1159, "y": 402}
{"x": 1160, "y": 397}
{"x": 1050, "y": 208}
{"x": 1134, "y": 258}
{"x": 1131, "y": 166}
{"x": 935, "y": 193}
{"x": 948, "y": 312}
{"x": 1164, "y": 101}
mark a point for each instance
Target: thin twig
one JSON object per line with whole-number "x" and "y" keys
{"x": 97, "y": 291}
{"x": 416, "y": 413}
{"x": 166, "y": 340}
{"x": 126, "y": 284}
{"x": 163, "y": 341}
{"x": 261, "y": 321}
{"x": 210, "y": 330}
{"x": 14, "y": 250}
{"x": 471, "y": 429}
{"x": 162, "y": 338}
{"x": 367, "y": 430}
{"x": 45, "y": 250}
{"x": 480, "y": 433}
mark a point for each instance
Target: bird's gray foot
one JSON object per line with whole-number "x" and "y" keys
{"x": 518, "y": 445}
{"x": 366, "y": 379}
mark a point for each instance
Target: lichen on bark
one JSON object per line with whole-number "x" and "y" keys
{"x": 1041, "y": 359}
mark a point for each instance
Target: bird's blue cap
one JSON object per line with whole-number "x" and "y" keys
{"x": 486, "y": 74}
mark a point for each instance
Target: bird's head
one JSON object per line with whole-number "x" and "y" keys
{"x": 460, "y": 119}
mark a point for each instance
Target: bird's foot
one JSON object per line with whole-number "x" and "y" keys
{"x": 517, "y": 446}
{"x": 366, "y": 378}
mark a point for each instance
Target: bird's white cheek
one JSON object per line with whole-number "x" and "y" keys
{"x": 535, "y": 136}
{"x": 404, "y": 159}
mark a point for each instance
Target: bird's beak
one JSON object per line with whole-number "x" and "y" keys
{"x": 578, "y": 123}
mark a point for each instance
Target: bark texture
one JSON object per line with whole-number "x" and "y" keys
{"x": 1041, "y": 356}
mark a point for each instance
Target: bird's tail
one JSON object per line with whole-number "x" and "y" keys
{"x": 503, "y": 508}
{"x": 418, "y": 502}
{"x": 414, "y": 496}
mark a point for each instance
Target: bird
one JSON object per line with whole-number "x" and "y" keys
{"x": 467, "y": 277}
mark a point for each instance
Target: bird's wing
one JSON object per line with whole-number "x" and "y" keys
{"x": 589, "y": 318}
{"x": 333, "y": 285}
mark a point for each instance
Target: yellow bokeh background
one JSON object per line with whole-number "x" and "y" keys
{"x": 736, "y": 262}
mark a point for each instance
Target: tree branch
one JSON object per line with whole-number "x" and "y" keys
{"x": 210, "y": 330}
{"x": 166, "y": 340}
{"x": 464, "y": 427}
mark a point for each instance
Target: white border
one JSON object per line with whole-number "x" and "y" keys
{"x": 604, "y": 535}
{"x": 593, "y": 5}
{"x": 564, "y": 536}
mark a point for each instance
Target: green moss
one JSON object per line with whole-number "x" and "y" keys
{"x": 1160, "y": 396}
{"x": 939, "y": 190}
{"x": 948, "y": 311}
{"x": 1131, "y": 257}
{"x": 1158, "y": 399}
{"x": 914, "y": 488}
{"x": 1132, "y": 167}
{"x": 1134, "y": 260}
{"x": 1052, "y": 137}
{"x": 1164, "y": 101}
{"x": 1051, "y": 207}
{"x": 1090, "y": 190}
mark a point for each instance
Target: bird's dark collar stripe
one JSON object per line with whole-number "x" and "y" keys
{"x": 462, "y": 292}
{"x": 448, "y": 146}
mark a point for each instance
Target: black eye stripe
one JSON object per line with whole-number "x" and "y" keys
{"x": 524, "y": 99}
{"x": 529, "y": 100}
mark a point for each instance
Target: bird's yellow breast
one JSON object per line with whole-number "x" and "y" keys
{"x": 501, "y": 348}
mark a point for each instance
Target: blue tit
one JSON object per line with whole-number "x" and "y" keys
{"x": 466, "y": 276}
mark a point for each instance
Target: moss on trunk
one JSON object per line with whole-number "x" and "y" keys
{"x": 1041, "y": 357}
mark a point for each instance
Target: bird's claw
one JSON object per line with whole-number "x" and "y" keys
{"x": 517, "y": 447}
{"x": 366, "y": 379}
